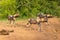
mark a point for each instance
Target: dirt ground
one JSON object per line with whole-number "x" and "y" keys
{"x": 21, "y": 32}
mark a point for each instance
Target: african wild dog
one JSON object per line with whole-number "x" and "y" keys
{"x": 12, "y": 18}
{"x": 43, "y": 18}
{"x": 34, "y": 21}
{"x": 5, "y": 32}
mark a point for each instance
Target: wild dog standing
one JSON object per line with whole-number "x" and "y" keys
{"x": 47, "y": 16}
{"x": 41, "y": 16}
{"x": 34, "y": 21}
{"x": 46, "y": 19}
{"x": 12, "y": 18}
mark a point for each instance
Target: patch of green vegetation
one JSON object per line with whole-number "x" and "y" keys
{"x": 29, "y": 8}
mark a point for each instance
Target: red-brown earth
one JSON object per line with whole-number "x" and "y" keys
{"x": 21, "y": 32}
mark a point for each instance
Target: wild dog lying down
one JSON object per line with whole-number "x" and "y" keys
{"x": 12, "y": 18}
{"x": 5, "y": 32}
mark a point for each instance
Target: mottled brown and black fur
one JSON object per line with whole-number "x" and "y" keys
{"x": 12, "y": 18}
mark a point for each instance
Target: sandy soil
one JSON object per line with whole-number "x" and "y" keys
{"x": 21, "y": 32}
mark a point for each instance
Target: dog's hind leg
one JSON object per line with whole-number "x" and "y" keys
{"x": 39, "y": 27}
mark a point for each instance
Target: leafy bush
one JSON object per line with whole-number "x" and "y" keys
{"x": 29, "y": 8}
